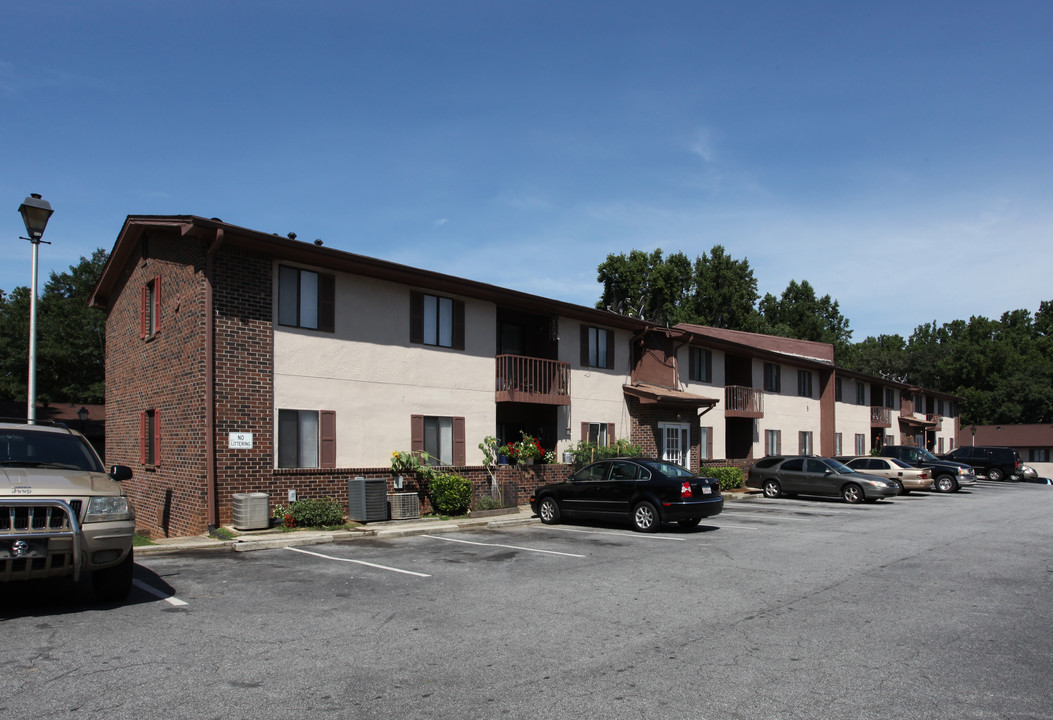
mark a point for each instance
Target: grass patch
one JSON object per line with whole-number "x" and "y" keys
{"x": 141, "y": 539}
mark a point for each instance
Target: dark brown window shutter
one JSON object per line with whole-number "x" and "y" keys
{"x": 584, "y": 346}
{"x": 416, "y": 326}
{"x": 416, "y": 433}
{"x": 327, "y": 438}
{"x": 459, "y": 458}
{"x": 610, "y": 434}
{"x": 326, "y": 303}
{"x": 610, "y": 349}
{"x": 709, "y": 443}
{"x": 458, "y": 324}
{"x": 584, "y": 432}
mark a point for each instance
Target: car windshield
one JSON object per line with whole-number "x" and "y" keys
{"x": 35, "y": 449}
{"x": 668, "y": 469}
{"x": 837, "y": 466}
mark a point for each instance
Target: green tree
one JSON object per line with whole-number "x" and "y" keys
{"x": 725, "y": 292}
{"x": 798, "y": 313}
{"x": 647, "y": 286}
{"x": 70, "y": 338}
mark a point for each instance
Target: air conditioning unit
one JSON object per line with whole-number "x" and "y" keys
{"x": 367, "y": 499}
{"x": 252, "y": 511}
{"x": 404, "y": 506}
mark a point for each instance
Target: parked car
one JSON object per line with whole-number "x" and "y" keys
{"x": 948, "y": 475}
{"x": 779, "y": 475}
{"x": 997, "y": 463}
{"x": 646, "y": 492}
{"x": 1028, "y": 474}
{"x": 61, "y": 513}
{"x": 908, "y": 477}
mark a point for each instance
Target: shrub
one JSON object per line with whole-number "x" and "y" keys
{"x": 729, "y": 477}
{"x": 311, "y": 512}
{"x": 450, "y": 494}
{"x": 487, "y": 503}
{"x": 586, "y": 452}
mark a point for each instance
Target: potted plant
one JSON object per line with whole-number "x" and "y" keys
{"x": 528, "y": 449}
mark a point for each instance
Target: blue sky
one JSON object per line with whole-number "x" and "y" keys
{"x": 896, "y": 155}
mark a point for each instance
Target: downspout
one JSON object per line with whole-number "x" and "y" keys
{"x": 212, "y": 499}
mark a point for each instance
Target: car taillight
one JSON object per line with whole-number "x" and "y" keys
{"x": 924, "y": 475}
{"x": 685, "y": 490}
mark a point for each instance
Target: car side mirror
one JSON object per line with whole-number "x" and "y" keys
{"x": 120, "y": 472}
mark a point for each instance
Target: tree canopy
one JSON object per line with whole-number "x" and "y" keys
{"x": 71, "y": 338}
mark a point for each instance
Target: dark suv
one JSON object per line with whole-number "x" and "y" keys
{"x": 997, "y": 463}
{"x": 947, "y": 475}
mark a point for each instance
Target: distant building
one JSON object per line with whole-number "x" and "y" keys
{"x": 1034, "y": 443}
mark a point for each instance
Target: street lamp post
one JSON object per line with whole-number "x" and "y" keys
{"x": 35, "y": 214}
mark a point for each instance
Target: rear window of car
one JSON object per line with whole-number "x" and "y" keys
{"x": 767, "y": 462}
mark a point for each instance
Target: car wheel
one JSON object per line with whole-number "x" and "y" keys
{"x": 995, "y": 474}
{"x": 852, "y": 493}
{"x": 946, "y": 484}
{"x": 688, "y": 524}
{"x": 898, "y": 485}
{"x": 645, "y": 517}
{"x": 548, "y": 511}
{"x": 772, "y": 489}
{"x": 113, "y": 584}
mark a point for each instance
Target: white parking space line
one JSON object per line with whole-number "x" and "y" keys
{"x": 170, "y": 599}
{"x": 634, "y": 536}
{"x": 359, "y": 562}
{"x": 510, "y": 547}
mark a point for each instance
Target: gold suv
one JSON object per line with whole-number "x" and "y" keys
{"x": 61, "y": 513}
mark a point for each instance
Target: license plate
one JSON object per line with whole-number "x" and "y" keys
{"x": 24, "y": 549}
{"x": 707, "y": 490}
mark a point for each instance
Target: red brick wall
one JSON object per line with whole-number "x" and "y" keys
{"x": 164, "y": 373}
{"x": 643, "y": 431}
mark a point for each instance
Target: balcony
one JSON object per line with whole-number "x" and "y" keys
{"x": 936, "y": 419}
{"x": 880, "y": 417}
{"x": 532, "y": 380}
{"x": 743, "y": 402}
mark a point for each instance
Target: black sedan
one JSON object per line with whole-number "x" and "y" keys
{"x": 778, "y": 476}
{"x": 643, "y": 491}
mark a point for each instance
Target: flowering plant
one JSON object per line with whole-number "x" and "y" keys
{"x": 510, "y": 451}
{"x": 403, "y": 462}
{"x": 529, "y": 447}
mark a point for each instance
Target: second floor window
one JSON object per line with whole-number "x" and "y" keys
{"x": 772, "y": 377}
{"x": 436, "y": 321}
{"x": 306, "y": 299}
{"x": 597, "y": 347}
{"x": 150, "y": 308}
{"x": 804, "y": 383}
{"x": 701, "y": 365}
{"x": 861, "y": 394}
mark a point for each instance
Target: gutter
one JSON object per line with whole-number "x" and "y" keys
{"x": 211, "y": 494}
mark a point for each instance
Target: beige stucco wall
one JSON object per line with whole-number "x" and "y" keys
{"x": 597, "y": 395}
{"x": 851, "y": 420}
{"x": 787, "y": 412}
{"x": 713, "y": 419}
{"x": 374, "y": 379}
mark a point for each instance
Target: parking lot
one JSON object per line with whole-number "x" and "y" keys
{"x": 933, "y": 606}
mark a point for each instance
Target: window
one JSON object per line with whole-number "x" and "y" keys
{"x": 306, "y": 299}
{"x": 838, "y": 396}
{"x": 1039, "y": 455}
{"x": 804, "y": 441}
{"x": 701, "y": 365}
{"x": 599, "y": 434}
{"x": 150, "y": 308}
{"x": 804, "y": 383}
{"x": 837, "y": 444}
{"x": 437, "y": 321}
{"x": 306, "y": 438}
{"x": 861, "y": 442}
{"x": 772, "y": 442}
{"x": 939, "y": 406}
{"x": 705, "y": 445}
{"x": 676, "y": 442}
{"x": 441, "y": 437}
{"x": 772, "y": 377}
{"x": 939, "y": 445}
{"x": 861, "y": 393}
{"x": 889, "y": 440}
{"x": 890, "y": 398}
{"x": 597, "y": 347}
{"x": 150, "y": 437}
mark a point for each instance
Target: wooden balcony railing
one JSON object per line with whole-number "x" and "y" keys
{"x": 936, "y": 419}
{"x": 532, "y": 380}
{"x": 880, "y": 417}
{"x": 743, "y": 402}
